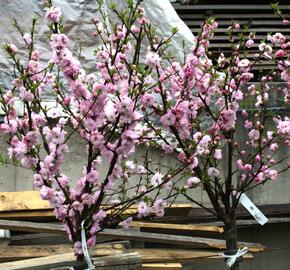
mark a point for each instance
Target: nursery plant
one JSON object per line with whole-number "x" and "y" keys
{"x": 203, "y": 111}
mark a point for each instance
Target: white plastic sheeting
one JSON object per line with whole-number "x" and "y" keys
{"x": 78, "y": 26}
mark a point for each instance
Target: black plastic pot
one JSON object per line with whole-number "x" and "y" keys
{"x": 81, "y": 266}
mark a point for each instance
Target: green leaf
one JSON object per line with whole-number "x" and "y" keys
{"x": 174, "y": 30}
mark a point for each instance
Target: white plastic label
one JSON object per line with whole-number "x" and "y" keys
{"x": 254, "y": 211}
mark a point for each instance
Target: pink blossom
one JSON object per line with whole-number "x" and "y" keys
{"x": 168, "y": 149}
{"x": 266, "y": 49}
{"x": 238, "y": 95}
{"x": 203, "y": 145}
{"x": 11, "y": 48}
{"x": 157, "y": 179}
{"x": 46, "y": 193}
{"x": 17, "y": 148}
{"x": 254, "y": 134}
{"x": 192, "y": 181}
{"x": 272, "y": 174}
{"x": 168, "y": 119}
{"x": 277, "y": 39}
{"x": 95, "y": 228}
{"x": 284, "y": 126}
{"x": 260, "y": 177}
{"x": 240, "y": 164}
{"x": 152, "y": 59}
{"x": 274, "y": 147}
{"x": 9, "y": 128}
{"x": 248, "y": 167}
{"x": 159, "y": 204}
{"x": 248, "y": 124}
{"x": 35, "y": 55}
{"x": 237, "y": 26}
{"x": 93, "y": 176}
{"x": 53, "y": 14}
{"x": 193, "y": 162}
{"x": 135, "y": 29}
{"x": 244, "y": 65}
{"x": 38, "y": 181}
{"x": 59, "y": 42}
{"x": 25, "y": 95}
{"x": 213, "y": 172}
{"x": 78, "y": 248}
{"x": 258, "y": 158}
{"x": 218, "y": 154}
{"x": 227, "y": 119}
{"x": 143, "y": 209}
{"x": 252, "y": 89}
{"x": 130, "y": 164}
{"x": 147, "y": 100}
{"x": 32, "y": 138}
{"x": 57, "y": 135}
{"x": 285, "y": 22}
{"x": 280, "y": 53}
{"x": 181, "y": 156}
{"x": 63, "y": 180}
{"x": 27, "y": 38}
{"x": 91, "y": 241}
{"x": 246, "y": 77}
{"x": 250, "y": 43}
{"x": 126, "y": 223}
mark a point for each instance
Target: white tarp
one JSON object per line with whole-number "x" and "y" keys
{"x": 78, "y": 26}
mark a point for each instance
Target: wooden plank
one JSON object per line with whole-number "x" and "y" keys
{"x": 13, "y": 253}
{"x": 116, "y": 262}
{"x": 53, "y": 239}
{"x": 161, "y": 266}
{"x": 158, "y": 255}
{"x": 38, "y": 239}
{"x": 68, "y": 259}
{"x": 253, "y": 222}
{"x": 199, "y": 242}
{"x": 149, "y": 255}
{"x": 34, "y": 214}
{"x": 183, "y": 227}
{"x": 30, "y": 200}
{"x": 24, "y": 200}
{"x": 25, "y": 226}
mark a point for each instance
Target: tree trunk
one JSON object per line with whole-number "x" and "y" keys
{"x": 231, "y": 235}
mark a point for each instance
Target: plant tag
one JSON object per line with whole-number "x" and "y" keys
{"x": 253, "y": 209}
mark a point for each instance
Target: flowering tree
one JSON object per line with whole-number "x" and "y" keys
{"x": 104, "y": 107}
{"x": 200, "y": 102}
{"x": 187, "y": 109}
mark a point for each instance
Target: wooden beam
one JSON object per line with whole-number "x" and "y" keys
{"x": 33, "y": 214}
{"x": 24, "y": 200}
{"x": 117, "y": 262}
{"x": 21, "y": 204}
{"x": 158, "y": 255}
{"x": 25, "y": 226}
{"x": 13, "y": 253}
{"x": 114, "y": 262}
{"x": 194, "y": 242}
{"x": 161, "y": 266}
{"x": 183, "y": 227}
